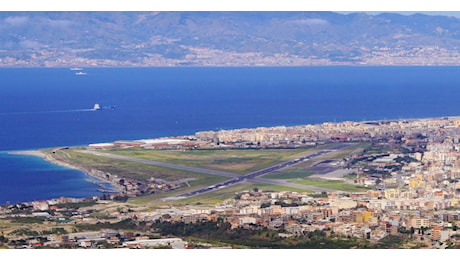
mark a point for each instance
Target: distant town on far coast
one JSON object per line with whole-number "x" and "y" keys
{"x": 145, "y": 39}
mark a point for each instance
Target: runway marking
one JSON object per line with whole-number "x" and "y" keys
{"x": 235, "y": 178}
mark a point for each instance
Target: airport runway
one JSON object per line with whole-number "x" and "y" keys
{"x": 163, "y": 164}
{"x": 234, "y": 178}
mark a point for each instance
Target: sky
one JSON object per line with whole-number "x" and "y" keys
{"x": 446, "y": 6}
{"x": 429, "y": 7}
{"x": 445, "y": 13}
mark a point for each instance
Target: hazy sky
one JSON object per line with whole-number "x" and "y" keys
{"x": 446, "y": 13}
{"x": 446, "y": 6}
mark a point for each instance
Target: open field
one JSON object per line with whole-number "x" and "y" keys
{"x": 332, "y": 184}
{"x": 337, "y": 155}
{"x": 132, "y": 170}
{"x": 11, "y": 226}
{"x": 240, "y": 161}
{"x": 293, "y": 173}
{"x": 302, "y": 170}
{"x": 210, "y": 198}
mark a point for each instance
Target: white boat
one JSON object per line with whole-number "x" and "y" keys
{"x": 80, "y": 73}
{"x": 76, "y": 68}
{"x": 97, "y": 107}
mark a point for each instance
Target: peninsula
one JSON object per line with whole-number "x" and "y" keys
{"x": 374, "y": 184}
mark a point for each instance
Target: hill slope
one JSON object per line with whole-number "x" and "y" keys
{"x": 60, "y": 39}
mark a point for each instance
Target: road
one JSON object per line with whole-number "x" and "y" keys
{"x": 234, "y": 178}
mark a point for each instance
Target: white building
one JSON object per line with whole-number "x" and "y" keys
{"x": 175, "y": 243}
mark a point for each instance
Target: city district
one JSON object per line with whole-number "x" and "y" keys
{"x": 370, "y": 184}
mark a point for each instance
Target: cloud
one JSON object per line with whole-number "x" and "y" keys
{"x": 22, "y": 20}
{"x": 60, "y": 23}
{"x": 16, "y": 20}
{"x": 310, "y": 21}
{"x": 30, "y": 44}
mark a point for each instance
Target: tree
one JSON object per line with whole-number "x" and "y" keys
{"x": 265, "y": 205}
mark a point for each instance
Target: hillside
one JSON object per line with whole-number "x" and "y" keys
{"x": 88, "y": 39}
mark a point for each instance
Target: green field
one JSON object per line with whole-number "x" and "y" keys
{"x": 132, "y": 170}
{"x": 332, "y": 184}
{"x": 144, "y": 172}
{"x": 292, "y": 173}
{"x": 240, "y": 161}
{"x": 210, "y": 198}
{"x": 302, "y": 170}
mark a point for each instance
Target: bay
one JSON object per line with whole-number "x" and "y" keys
{"x": 51, "y": 107}
{"x": 29, "y": 178}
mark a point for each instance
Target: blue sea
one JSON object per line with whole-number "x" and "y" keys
{"x": 42, "y": 108}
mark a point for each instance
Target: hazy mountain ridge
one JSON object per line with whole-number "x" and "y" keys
{"x": 225, "y": 38}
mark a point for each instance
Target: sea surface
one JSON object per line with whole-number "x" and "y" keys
{"x": 41, "y": 108}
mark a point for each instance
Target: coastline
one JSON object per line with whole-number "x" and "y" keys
{"x": 116, "y": 188}
{"x": 87, "y": 172}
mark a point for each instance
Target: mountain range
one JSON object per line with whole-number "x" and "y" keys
{"x": 106, "y": 39}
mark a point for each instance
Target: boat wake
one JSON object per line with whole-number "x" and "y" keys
{"x": 47, "y": 112}
{"x": 95, "y": 108}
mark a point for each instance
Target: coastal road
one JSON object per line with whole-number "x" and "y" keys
{"x": 234, "y": 178}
